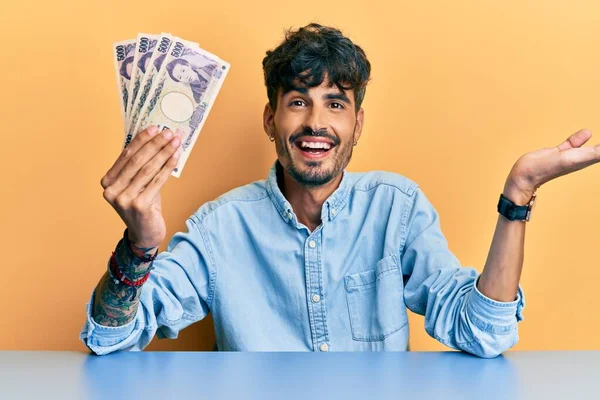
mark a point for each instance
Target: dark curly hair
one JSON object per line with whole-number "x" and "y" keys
{"x": 311, "y": 53}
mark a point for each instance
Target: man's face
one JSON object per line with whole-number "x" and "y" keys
{"x": 183, "y": 73}
{"x": 314, "y": 131}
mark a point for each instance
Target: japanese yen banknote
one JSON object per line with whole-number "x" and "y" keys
{"x": 166, "y": 81}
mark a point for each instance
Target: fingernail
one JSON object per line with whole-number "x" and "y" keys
{"x": 168, "y": 134}
{"x": 153, "y": 130}
{"x": 175, "y": 142}
{"x": 176, "y": 154}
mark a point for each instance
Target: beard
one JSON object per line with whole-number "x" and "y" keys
{"x": 312, "y": 174}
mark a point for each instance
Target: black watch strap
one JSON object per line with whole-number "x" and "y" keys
{"x": 513, "y": 212}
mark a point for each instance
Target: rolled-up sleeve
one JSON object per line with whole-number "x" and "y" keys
{"x": 456, "y": 313}
{"x": 178, "y": 293}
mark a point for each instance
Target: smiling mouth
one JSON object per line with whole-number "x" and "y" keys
{"x": 314, "y": 149}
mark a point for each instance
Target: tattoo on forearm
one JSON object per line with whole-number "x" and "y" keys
{"x": 142, "y": 252}
{"x": 129, "y": 257}
{"x": 115, "y": 304}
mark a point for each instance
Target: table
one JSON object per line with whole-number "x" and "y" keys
{"x": 220, "y": 375}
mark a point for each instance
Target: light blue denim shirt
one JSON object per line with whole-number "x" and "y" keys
{"x": 271, "y": 284}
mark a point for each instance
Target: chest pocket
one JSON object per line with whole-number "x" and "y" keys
{"x": 375, "y": 301}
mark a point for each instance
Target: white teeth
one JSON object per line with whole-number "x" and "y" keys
{"x": 316, "y": 145}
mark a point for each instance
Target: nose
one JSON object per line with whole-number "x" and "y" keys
{"x": 315, "y": 119}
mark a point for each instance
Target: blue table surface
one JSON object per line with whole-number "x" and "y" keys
{"x": 219, "y": 375}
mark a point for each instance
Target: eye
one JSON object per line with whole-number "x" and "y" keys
{"x": 297, "y": 103}
{"x": 337, "y": 105}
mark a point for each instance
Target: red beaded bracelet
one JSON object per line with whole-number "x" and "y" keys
{"x": 116, "y": 271}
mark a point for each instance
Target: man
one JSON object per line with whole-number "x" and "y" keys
{"x": 312, "y": 258}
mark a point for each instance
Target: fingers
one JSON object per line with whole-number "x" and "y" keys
{"x": 151, "y": 168}
{"x": 577, "y": 159}
{"x": 138, "y": 142}
{"x": 153, "y": 188}
{"x": 138, "y": 160}
{"x": 577, "y": 139}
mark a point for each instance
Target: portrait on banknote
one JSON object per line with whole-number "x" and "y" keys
{"x": 195, "y": 70}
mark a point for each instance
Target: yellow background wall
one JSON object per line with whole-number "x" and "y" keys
{"x": 460, "y": 90}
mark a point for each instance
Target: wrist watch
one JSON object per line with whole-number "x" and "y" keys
{"x": 514, "y": 212}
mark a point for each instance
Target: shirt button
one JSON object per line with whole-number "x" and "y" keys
{"x": 333, "y": 211}
{"x": 312, "y": 244}
{"x": 316, "y": 298}
{"x": 323, "y": 347}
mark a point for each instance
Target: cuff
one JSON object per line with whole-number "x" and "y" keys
{"x": 495, "y": 316}
{"x": 102, "y": 339}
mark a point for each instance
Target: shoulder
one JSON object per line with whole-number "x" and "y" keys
{"x": 383, "y": 180}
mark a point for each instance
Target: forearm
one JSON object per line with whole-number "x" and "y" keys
{"x": 116, "y": 302}
{"x": 500, "y": 278}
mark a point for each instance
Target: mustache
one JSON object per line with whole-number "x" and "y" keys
{"x": 307, "y": 131}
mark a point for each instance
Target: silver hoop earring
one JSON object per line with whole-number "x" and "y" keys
{"x": 355, "y": 143}
{"x": 271, "y": 138}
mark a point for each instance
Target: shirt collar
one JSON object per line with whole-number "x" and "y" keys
{"x": 331, "y": 207}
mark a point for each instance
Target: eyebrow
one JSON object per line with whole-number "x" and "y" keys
{"x": 337, "y": 96}
{"x": 329, "y": 96}
{"x": 298, "y": 89}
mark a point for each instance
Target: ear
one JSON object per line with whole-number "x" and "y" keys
{"x": 268, "y": 120}
{"x": 360, "y": 119}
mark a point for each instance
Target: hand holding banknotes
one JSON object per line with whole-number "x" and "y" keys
{"x": 167, "y": 87}
{"x": 132, "y": 185}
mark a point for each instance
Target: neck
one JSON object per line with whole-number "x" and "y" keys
{"x": 307, "y": 203}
